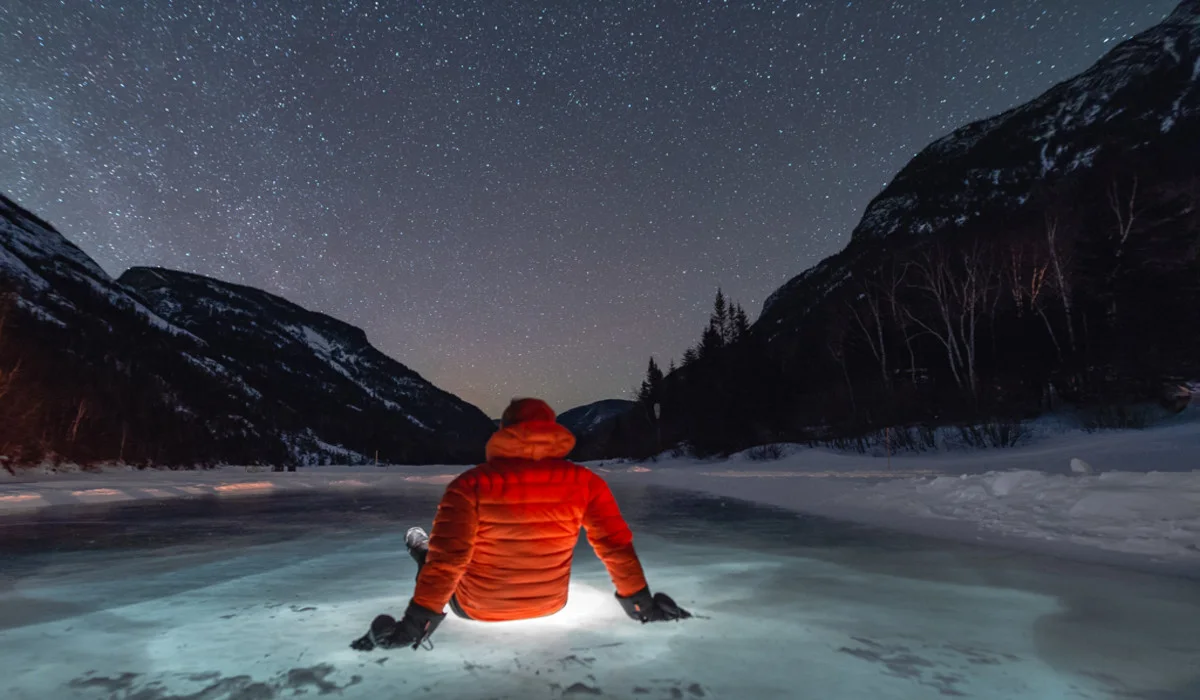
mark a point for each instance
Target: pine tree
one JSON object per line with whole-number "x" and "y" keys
{"x": 689, "y": 356}
{"x": 651, "y": 386}
{"x": 741, "y": 323}
{"x": 671, "y": 368}
{"x": 653, "y": 373}
{"x": 720, "y": 315}
{"x": 711, "y": 340}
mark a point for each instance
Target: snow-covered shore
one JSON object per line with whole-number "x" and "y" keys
{"x": 1133, "y": 497}
{"x": 1139, "y": 505}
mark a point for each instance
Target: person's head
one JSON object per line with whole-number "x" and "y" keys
{"x": 525, "y": 410}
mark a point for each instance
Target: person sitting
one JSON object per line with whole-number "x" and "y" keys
{"x": 505, "y": 533}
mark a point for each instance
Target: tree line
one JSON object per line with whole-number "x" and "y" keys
{"x": 1089, "y": 296}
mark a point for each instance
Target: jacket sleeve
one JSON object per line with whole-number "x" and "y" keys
{"x": 612, "y": 540}
{"x": 450, "y": 546}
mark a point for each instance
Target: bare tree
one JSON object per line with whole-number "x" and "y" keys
{"x": 79, "y": 414}
{"x": 895, "y": 281}
{"x": 1125, "y": 211}
{"x": 976, "y": 286}
{"x": 960, "y": 286}
{"x": 932, "y": 276}
{"x": 1053, "y": 244}
{"x": 836, "y": 345}
{"x": 1027, "y": 277}
{"x": 871, "y": 323}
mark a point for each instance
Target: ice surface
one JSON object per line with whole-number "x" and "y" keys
{"x": 1141, "y": 507}
{"x": 258, "y": 598}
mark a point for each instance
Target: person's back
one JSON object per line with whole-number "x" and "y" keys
{"x": 505, "y": 532}
{"x": 528, "y": 503}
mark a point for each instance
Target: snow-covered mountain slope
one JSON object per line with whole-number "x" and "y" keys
{"x": 1145, "y": 90}
{"x": 328, "y": 381}
{"x": 35, "y": 259}
{"x": 90, "y": 372}
{"x": 581, "y": 420}
{"x": 170, "y": 368}
{"x": 1135, "y": 112}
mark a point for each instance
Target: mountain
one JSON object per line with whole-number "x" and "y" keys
{"x": 581, "y": 420}
{"x": 1048, "y": 254}
{"x": 87, "y": 370}
{"x": 1145, "y": 92}
{"x": 1138, "y": 103}
{"x": 167, "y": 368}
{"x": 321, "y": 376}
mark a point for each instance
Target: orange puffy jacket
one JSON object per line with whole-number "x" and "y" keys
{"x": 506, "y": 530}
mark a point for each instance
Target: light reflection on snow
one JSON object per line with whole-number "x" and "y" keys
{"x": 97, "y": 492}
{"x": 245, "y": 486}
{"x": 431, "y": 479}
{"x": 25, "y": 498}
{"x": 587, "y": 608}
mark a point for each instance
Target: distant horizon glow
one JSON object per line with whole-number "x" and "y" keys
{"x": 512, "y": 200}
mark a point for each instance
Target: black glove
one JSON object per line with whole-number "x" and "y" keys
{"x": 414, "y": 628}
{"x": 644, "y": 608}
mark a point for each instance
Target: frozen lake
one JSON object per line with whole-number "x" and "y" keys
{"x": 258, "y": 598}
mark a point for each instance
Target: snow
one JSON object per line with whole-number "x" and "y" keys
{"x": 40, "y": 313}
{"x": 1140, "y": 507}
{"x": 413, "y": 419}
{"x": 17, "y": 267}
{"x": 106, "y": 288}
{"x": 320, "y": 344}
{"x": 35, "y": 240}
{"x": 1048, "y": 161}
{"x": 217, "y": 369}
{"x": 1084, "y": 159}
{"x": 334, "y": 354}
{"x": 1168, "y": 45}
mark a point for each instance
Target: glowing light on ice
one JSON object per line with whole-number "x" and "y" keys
{"x": 20, "y": 498}
{"x": 434, "y": 479}
{"x": 587, "y": 608}
{"x": 97, "y": 492}
{"x": 247, "y": 486}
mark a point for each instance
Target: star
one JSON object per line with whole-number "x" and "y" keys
{"x": 512, "y": 199}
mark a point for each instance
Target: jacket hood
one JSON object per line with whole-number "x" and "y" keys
{"x": 522, "y": 410}
{"x": 533, "y": 439}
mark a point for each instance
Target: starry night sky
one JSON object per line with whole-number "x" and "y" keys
{"x": 512, "y": 199}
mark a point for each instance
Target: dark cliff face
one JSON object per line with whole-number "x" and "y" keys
{"x": 1138, "y": 104}
{"x": 174, "y": 369}
{"x": 325, "y": 381}
{"x": 1146, "y": 90}
{"x": 91, "y": 373}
